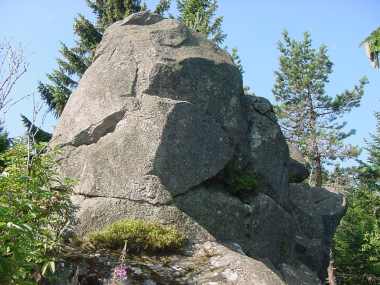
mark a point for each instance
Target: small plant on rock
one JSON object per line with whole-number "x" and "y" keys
{"x": 139, "y": 235}
{"x": 239, "y": 180}
{"x": 120, "y": 272}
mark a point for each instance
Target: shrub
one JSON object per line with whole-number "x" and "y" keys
{"x": 239, "y": 180}
{"x": 34, "y": 208}
{"x": 357, "y": 241}
{"x": 243, "y": 182}
{"x": 139, "y": 236}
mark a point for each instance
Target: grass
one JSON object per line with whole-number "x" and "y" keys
{"x": 139, "y": 235}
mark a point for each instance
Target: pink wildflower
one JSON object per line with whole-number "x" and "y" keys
{"x": 120, "y": 272}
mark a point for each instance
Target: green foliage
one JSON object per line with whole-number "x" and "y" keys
{"x": 244, "y": 182}
{"x": 238, "y": 180}
{"x": 4, "y": 140}
{"x": 199, "y": 16}
{"x": 370, "y": 171}
{"x": 162, "y": 7}
{"x": 34, "y": 209}
{"x": 139, "y": 236}
{"x": 308, "y": 116}
{"x": 357, "y": 241}
{"x": 237, "y": 60}
{"x": 111, "y": 11}
{"x": 4, "y": 145}
{"x": 372, "y": 46}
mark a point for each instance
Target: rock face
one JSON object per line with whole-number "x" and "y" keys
{"x": 156, "y": 129}
{"x": 297, "y": 170}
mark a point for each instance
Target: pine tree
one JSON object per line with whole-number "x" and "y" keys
{"x": 74, "y": 61}
{"x": 199, "y": 16}
{"x": 309, "y": 117}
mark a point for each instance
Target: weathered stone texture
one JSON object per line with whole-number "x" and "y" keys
{"x": 155, "y": 122}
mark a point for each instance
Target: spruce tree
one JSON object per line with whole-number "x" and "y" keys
{"x": 309, "y": 117}
{"x": 199, "y": 16}
{"x": 357, "y": 241}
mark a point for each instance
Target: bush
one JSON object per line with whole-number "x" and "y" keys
{"x": 244, "y": 182}
{"x": 357, "y": 240}
{"x": 139, "y": 236}
{"x": 239, "y": 180}
{"x": 34, "y": 208}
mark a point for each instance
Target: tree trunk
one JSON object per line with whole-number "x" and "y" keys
{"x": 315, "y": 154}
{"x": 331, "y": 271}
{"x": 318, "y": 170}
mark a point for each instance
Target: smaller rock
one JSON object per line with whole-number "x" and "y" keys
{"x": 141, "y": 19}
{"x": 297, "y": 169}
{"x": 149, "y": 282}
{"x": 317, "y": 212}
{"x": 299, "y": 275}
{"x": 268, "y": 153}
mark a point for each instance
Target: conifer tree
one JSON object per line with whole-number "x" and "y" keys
{"x": 357, "y": 241}
{"x": 310, "y": 117}
{"x": 199, "y": 16}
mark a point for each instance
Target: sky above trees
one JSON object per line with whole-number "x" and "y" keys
{"x": 254, "y": 27}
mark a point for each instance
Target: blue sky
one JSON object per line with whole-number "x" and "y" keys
{"x": 254, "y": 27}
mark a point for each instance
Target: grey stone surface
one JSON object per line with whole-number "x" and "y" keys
{"x": 210, "y": 263}
{"x": 299, "y": 275}
{"x": 228, "y": 267}
{"x": 268, "y": 152}
{"x": 317, "y": 213}
{"x": 154, "y": 125}
{"x": 297, "y": 169}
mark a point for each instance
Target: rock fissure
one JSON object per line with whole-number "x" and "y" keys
{"x": 141, "y": 201}
{"x": 95, "y": 132}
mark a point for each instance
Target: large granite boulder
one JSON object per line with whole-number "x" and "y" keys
{"x": 156, "y": 129}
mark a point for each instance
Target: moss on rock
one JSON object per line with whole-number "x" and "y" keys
{"x": 139, "y": 235}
